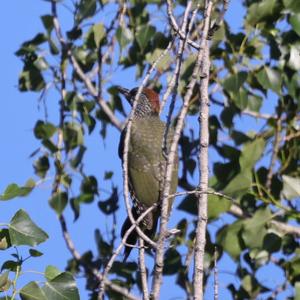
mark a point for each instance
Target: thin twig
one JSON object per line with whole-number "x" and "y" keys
{"x": 89, "y": 85}
{"x": 216, "y": 279}
{"x": 143, "y": 270}
{"x": 257, "y": 115}
{"x": 175, "y": 27}
{"x": 93, "y": 91}
{"x": 275, "y": 150}
{"x": 292, "y": 136}
{"x": 118, "y": 250}
{"x": 173, "y": 84}
{"x": 282, "y": 227}
{"x": 89, "y": 269}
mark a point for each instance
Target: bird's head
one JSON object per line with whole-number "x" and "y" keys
{"x": 148, "y": 101}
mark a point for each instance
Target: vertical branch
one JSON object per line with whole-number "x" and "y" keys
{"x": 159, "y": 259}
{"x": 276, "y": 145}
{"x": 216, "y": 279}
{"x": 203, "y": 168}
{"x": 143, "y": 270}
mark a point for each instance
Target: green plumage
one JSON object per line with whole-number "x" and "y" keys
{"x": 146, "y": 171}
{"x": 147, "y": 162}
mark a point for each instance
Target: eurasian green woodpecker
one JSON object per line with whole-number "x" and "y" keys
{"x": 146, "y": 162}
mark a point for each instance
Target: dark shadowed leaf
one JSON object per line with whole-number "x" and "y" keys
{"x": 189, "y": 204}
{"x": 172, "y": 262}
{"x": 272, "y": 242}
{"x": 35, "y": 253}
{"x": 4, "y": 239}
{"x": 44, "y": 130}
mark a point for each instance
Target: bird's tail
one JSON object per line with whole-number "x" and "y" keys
{"x": 133, "y": 236}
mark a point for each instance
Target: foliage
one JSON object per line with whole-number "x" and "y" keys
{"x": 254, "y": 80}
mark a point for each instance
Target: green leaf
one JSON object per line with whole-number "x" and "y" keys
{"x": 297, "y": 290}
{"x": 41, "y": 166}
{"x": 144, "y": 34}
{"x": 270, "y": 79}
{"x": 254, "y": 102}
{"x": 35, "y": 253}
{"x": 13, "y": 190}
{"x": 31, "y": 79}
{"x": 10, "y": 265}
{"x": 23, "y": 231}
{"x": 51, "y": 272}
{"x": 292, "y": 5}
{"x": 239, "y": 185}
{"x": 59, "y": 202}
{"x": 44, "y": 131}
{"x": 48, "y": 23}
{"x": 263, "y": 11}
{"x": 295, "y": 22}
{"x": 229, "y": 238}
{"x": 73, "y": 135}
{"x": 251, "y": 153}
{"x": 163, "y": 63}
{"x": 217, "y": 205}
{"x": 78, "y": 157}
{"x": 62, "y": 287}
{"x": 32, "y": 291}
{"x": 291, "y": 187}
{"x": 99, "y": 33}
{"x": 86, "y": 9}
{"x": 254, "y": 229}
{"x": 124, "y": 36}
{"x": 234, "y": 82}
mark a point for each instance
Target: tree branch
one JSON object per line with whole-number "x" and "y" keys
{"x": 143, "y": 270}
{"x": 118, "y": 250}
{"x": 157, "y": 279}
{"x": 179, "y": 32}
{"x": 203, "y": 161}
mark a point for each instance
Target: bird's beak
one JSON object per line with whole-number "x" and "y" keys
{"x": 124, "y": 92}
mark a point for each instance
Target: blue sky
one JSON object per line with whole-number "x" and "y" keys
{"x": 20, "y": 21}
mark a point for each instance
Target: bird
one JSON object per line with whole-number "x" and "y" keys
{"x": 147, "y": 162}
